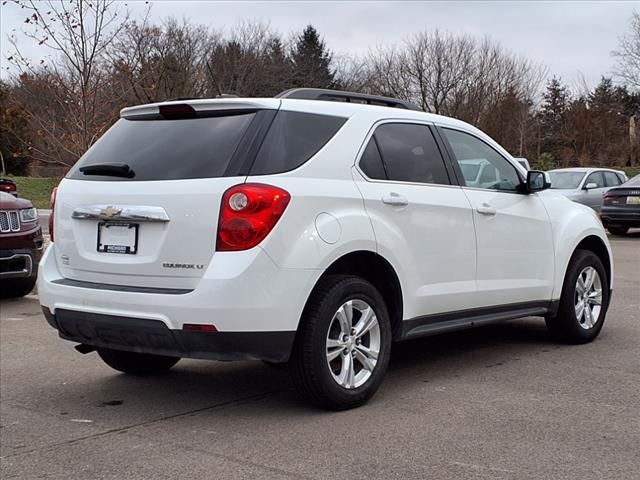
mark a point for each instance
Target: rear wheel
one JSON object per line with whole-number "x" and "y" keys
{"x": 16, "y": 287}
{"x": 584, "y": 300}
{"x": 136, "y": 363}
{"x": 343, "y": 345}
{"x": 618, "y": 230}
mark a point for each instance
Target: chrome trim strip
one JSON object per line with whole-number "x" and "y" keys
{"x": 25, "y": 272}
{"x": 11, "y": 219}
{"x": 127, "y": 213}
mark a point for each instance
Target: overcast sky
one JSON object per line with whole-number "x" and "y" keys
{"x": 573, "y": 39}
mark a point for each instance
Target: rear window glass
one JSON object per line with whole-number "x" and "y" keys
{"x": 168, "y": 149}
{"x": 612, "y": 179}
{"x": 294, "y": 137}
{"x": 410, "y": 153}
{"x": 634, "y": 182}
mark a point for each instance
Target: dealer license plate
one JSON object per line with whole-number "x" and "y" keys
{"x": 118, "y": 238}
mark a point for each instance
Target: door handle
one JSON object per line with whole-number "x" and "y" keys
{"x": 395, "y": 199}
{"x": 486, "y": 209}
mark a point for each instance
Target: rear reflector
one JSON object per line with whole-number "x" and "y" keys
{"x": 52, "y": 206}
{"x": 196, "y": 327}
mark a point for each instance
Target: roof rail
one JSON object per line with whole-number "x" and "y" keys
{"x": 343, "y": 96}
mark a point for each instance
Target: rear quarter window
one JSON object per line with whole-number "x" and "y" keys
{"x": 294, "y": 137}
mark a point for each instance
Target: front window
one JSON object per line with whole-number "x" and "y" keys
{"x": 566, "y": 180}
{"x": 481, "y": 165}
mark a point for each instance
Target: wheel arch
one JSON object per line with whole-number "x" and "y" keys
{"x": 592, "y": 242}
{"x": 595, "y": 244}
{"x": 377, "y": 270}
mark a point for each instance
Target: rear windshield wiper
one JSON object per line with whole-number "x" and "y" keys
{"x": 109, "y": 170}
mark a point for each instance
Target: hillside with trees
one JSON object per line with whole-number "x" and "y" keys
{"x": 97, "y": 59}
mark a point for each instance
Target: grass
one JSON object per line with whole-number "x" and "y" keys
{"x": 630, "y": 171}
{"x": 36, "y": 189}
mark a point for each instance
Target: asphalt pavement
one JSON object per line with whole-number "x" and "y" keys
{"x": 500, "y": 402}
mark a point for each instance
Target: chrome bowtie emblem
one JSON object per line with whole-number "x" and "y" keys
{"x": 110, "y": 212}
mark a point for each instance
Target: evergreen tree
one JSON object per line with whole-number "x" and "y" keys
{"x": 608, "y": 105}
{"x": 551, "y": 118}
{"x": 311, "y": 61}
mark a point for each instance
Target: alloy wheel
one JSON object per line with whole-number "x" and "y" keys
{"x": 588, "y": 297}
{"x": 353, "y": 343}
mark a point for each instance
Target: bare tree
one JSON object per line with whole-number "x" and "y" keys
{"x": 628, "y": 54}
{"x": 71, "y": 84}
{"x": 153, "y": 63}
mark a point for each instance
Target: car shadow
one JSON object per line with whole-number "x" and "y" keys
{"x": 630, "y": 235}
{"x": 258, "y": 389}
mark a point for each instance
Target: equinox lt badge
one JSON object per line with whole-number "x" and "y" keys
{"x": 190, "y": 266}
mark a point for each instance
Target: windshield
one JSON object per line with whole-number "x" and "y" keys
{"x": 566, "y": 180}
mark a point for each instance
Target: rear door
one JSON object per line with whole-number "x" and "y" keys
{"x": 154, "y": 224}
{"x": 422, "y": 222}
{"x": 515, "y": 254}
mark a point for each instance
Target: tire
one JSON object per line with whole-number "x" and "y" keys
{"x": 618, "y": 230}
{"x": 17, "y": 287}
{"x": 136, "y": 363}
{"x": 566, "y": 326}
{"x": 316, "y": 377}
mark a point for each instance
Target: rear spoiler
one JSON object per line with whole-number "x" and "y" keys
{"x": 152, "y": 110}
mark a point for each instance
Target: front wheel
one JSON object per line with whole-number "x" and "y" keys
{"x": 136, "y": 363}
{"x": 584, "y": 300}
{"x": 343, "y": 345}
{"x": 618, "y": 230}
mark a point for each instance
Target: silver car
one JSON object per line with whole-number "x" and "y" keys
{"x": 586, "y": 185}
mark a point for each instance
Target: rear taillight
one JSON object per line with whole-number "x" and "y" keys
{"x": 52, "y": 206}
{"x": 248, "y": 213}
{"x": 8, "y": 187}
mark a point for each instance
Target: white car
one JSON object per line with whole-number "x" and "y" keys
{"x": 312, "y": 232}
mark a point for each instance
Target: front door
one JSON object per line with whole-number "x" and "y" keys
{"x": 515, "y": 255}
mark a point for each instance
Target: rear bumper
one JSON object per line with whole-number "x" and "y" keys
{"x": 153, "y": 336}
{"x": 254, "y": 305}
{"x": 620, "y": 217}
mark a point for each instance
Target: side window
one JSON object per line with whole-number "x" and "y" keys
{"x": 612, "y": 179}
{"x": 481, "y": 165}
{"x": 371, "y": 162}
{"x": 597, "y": 178}
{"x": 292, "y": 139}
{"x": 410, "y": 154}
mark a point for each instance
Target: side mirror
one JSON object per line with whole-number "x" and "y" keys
{"x": 590, "y": 186}
{"x": 536, "y": 181}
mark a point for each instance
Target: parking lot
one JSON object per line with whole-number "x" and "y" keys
{"x": 497, "y": 402}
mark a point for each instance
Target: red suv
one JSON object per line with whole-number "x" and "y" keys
{"x": 20, "y": 246}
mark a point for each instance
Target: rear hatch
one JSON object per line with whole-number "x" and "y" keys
{"x": 141, "y": 207}
{"x": 623, "y": 198}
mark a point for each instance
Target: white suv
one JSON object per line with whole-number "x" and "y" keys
{"x": 312, "y": 232}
